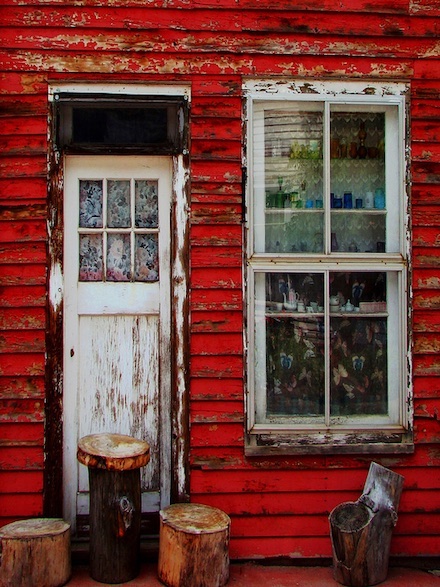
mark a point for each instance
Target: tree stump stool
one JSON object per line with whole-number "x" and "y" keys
{"x": 114, "y": 462}
{"x": 193, "y": 546}
{"x": 35, "y": 553}
{"x": 361, "y": 530}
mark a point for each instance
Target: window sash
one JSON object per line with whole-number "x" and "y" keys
{"x": 396, "y": 337}
{"x": 394, "y": 177}
{"x": 393, "y": 260}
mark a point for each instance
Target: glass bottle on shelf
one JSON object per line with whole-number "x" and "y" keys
{"x": 362, "y": 134}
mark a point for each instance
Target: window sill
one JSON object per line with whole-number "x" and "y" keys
{"x": 329, "y": 443}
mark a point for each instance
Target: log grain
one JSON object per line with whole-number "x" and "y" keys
{"x": 194, "y": 546}
{"x": 35, "y": 553}
{"x": 113, "y": 452}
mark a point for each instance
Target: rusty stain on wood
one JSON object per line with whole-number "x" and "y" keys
{"x": 54, "y": 337}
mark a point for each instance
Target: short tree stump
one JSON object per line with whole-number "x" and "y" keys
{"x": 193, "y": 546}
{"x": 35, "y": 553}
{"x": 361, "y": 530}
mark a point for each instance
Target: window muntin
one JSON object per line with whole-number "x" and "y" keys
{"x": 327, "y": 204}
{"x": 118, "y": 230}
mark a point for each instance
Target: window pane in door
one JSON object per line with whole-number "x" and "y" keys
{"x": 146, "y": 203}
{"x": 118, "y": 204}
{"x": 118, "y": 257}
{"x": 90, "y": 257}
{"x": 90, "y": 203}
{"x": 146, "y": 257}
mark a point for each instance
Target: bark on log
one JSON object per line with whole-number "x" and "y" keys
{"x": 361, "y": 531}
{"x": 114, "y": 462}
{"x": 115, "y": 525}
{"x": 194, "y": 546}
{"x": 35, "y": 553}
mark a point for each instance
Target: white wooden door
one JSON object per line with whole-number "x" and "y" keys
{"x": 117, "y": 314}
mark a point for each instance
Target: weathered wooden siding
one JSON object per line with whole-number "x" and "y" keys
{"x": 279, "y": 506}
{"x": 23, "y": 129}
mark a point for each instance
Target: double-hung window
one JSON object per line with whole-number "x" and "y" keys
{"x": 327, "y": 261}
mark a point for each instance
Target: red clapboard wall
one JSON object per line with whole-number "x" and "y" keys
{"x": 278, "y": 505}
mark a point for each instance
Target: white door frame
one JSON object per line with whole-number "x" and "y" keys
{"x": 178, "y": 423}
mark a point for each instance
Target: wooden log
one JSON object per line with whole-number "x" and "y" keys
{"x": 114, "y": 462}
{"x": 35, "y": 553}
{"x": 193, "y": 546}
{"x": 361, "y": 531}
{"x": 113, "y": 452}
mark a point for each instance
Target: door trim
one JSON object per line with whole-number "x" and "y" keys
{"x": 179, "y": 341}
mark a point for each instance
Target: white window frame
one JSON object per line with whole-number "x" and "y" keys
{"x": 374, "y": 434}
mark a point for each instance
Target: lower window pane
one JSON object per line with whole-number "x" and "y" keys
{"x": 295, "y": 366}
{"x": 326, "y": 348}
{"x": 290, "y": 361}
{"x": 359, "y": 366}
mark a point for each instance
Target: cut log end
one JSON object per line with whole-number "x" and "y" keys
{"x": 193, "y": 546}
{"x": 113, "y": 452}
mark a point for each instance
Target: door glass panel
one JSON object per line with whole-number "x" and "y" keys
{"x": 90, "y": 203}
{"x": 90, "y": 257}
{"x": 118, "y": 204}
{"x": 118, "y": 257}
{"x": 146, "y": 204}
{"x": 357, "y": 173}
{"x": 146, "y": 257}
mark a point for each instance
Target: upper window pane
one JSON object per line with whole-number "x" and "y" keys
{"x": 357, "y": 181}
{"x": 288, "y": 157}
{"x": 326, "y": 180}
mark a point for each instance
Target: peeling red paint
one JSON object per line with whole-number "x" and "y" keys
{"x": 214, "y": 48}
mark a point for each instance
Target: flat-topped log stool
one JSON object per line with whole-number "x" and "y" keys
{"x": 193, "y": 546}
{"x": 114, "y": 462}
{"x": 35, "y": 553}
